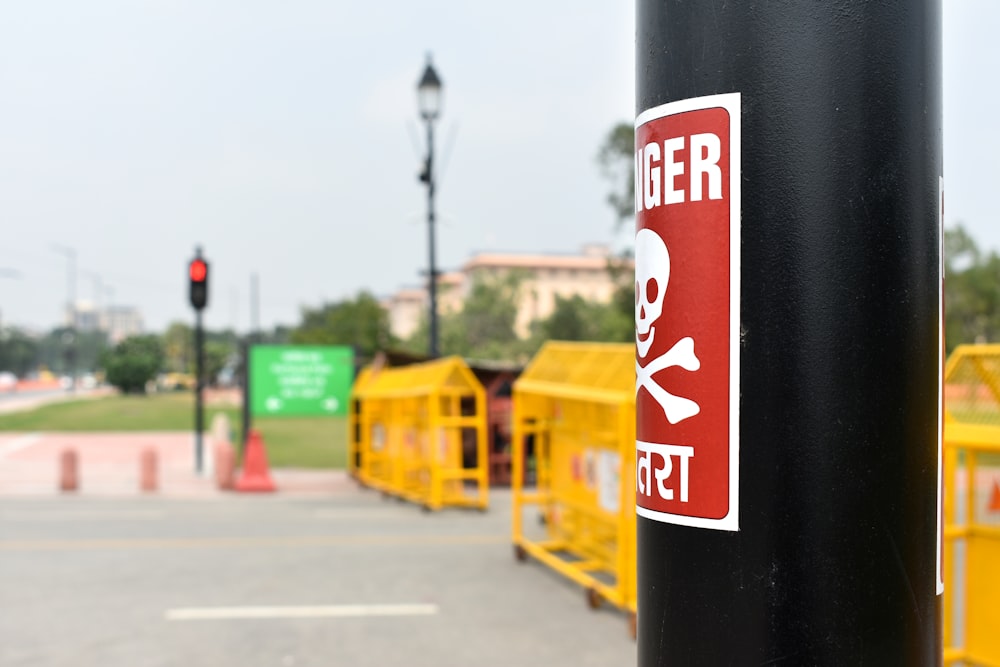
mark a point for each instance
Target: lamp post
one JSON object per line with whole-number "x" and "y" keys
{"x": 70, "y": 255}
{"x": 98, "y": 290}
{"x": 429, "y": 105}
{"x": 7, "y": 273}
{"x": 109, "y": 293}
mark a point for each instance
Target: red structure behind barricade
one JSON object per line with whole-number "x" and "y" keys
{"x": 498, "y": 379}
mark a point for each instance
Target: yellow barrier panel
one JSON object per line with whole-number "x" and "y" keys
{"x": 972, "y": 506}
{"x": 354, "y": 426}
{"x": 419, "y": 432}
{"x": 574, "y": 413}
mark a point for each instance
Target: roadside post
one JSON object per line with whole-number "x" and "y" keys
{"x": 198, "y": 295}
{"x": 789, "y": 333}
{"x": 245, "y": 417}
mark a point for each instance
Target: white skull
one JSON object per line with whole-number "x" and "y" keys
{"x": 652, "y": 271}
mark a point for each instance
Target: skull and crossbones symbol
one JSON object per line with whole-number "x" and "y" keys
{"x": 652, "y": 272}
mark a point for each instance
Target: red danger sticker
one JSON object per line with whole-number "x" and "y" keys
{"x": 687, "y": 312}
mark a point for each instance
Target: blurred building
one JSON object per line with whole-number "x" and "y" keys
{"x": 451, "y": 291}
{"x": 544, "y": 277}
{"x": 118, "y": 322}
{"x": 86, "y": 317}
{"x": 405, "y": 308}
{"x": 409, "y": 306}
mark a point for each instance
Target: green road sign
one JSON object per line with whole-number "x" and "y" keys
{"x": 300, "y": 380}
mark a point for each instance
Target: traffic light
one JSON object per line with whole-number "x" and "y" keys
{"x": 198, "y": 274}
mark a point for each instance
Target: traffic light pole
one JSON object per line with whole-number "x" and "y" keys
{"x": 833, "y": 554}
{"x": 199, "y": 404}
{"x": 246, "y": 394}
{"x": 198, "y": 296}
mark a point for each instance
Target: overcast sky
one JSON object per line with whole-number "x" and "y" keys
{"x": 284, "y": 138}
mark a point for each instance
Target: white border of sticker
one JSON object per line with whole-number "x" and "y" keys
{"x": 731, "y": 103}
{"x": 939, "y": 542}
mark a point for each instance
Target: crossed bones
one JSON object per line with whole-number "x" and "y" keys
{"x": 675, "y": 408}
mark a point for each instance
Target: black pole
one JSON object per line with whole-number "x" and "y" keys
{"x": 70, "y": 254}
{"x": 431, "y": 242}
{"x": 254, "y": 305}
{"x": 71, "y": 352}
{"x": 246, "y": 396}
{"x": 199, "y": 406}
{"x": 830, "y": 555}
{"x": 253, "y": 337}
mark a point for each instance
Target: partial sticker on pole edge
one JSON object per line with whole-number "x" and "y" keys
{"x": 939, "y": 556}
{"x": 731, "y": 103}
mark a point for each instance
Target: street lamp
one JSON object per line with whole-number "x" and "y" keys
{"x": 70, "y": 255}
{"x": 7, "y": 273}
{"x": 429, "y": 105}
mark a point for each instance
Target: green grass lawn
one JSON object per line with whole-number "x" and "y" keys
{"x": 308, "y": 442}
{"x": 158, "y": 412}
{"x": 305, "y": 442}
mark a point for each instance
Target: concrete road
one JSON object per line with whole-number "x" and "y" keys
{"x": 21, "y": 401}
{"x": 350, "y": 579}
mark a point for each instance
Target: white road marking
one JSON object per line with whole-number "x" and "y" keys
{"x": 361, "y": 514}
{"x": 19, "y": 443}
{"x": 117, "y": 544}
{"x": 328, "y": 611}
{"x": 77, "y": 515}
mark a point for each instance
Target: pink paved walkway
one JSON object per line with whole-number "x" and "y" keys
{"x": 109, "y": 466}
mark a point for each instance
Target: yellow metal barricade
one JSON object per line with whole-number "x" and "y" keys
{"x": 355, "y": 426}
{"x": 972, "y": 506}
{"x": 574, "y": 421}
{"x": 420, "y": 433}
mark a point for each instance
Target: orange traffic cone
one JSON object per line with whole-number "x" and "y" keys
{"x": 254, "y": 477}
{"x": 994, "y": 505}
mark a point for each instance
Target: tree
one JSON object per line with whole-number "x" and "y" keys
{"x": 360, "y": 322}
{"x": 616, "y": 158}
{"x": 618, "y": 321}
{"x": 279, "y": 335}
{"x": 133, "y": 363}
{"x": 489, "y": 315}
{"x": 63, "y": 349}
{"x": 19, "y": 354}
{"x": 485, "y": 327}
{"x": 972, "y": 291}
{"x": 178, "y": 347}
{"x": 575, "y": 318}
{"x": 217, "y": 354}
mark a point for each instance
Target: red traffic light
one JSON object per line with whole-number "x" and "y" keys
{"x": 198, "y": 270}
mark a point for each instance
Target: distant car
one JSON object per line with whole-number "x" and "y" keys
{"x": 176, "y": 381}
{"x": 8, "y": 381}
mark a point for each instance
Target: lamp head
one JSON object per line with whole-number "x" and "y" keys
{"x": 429, "y": 93}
